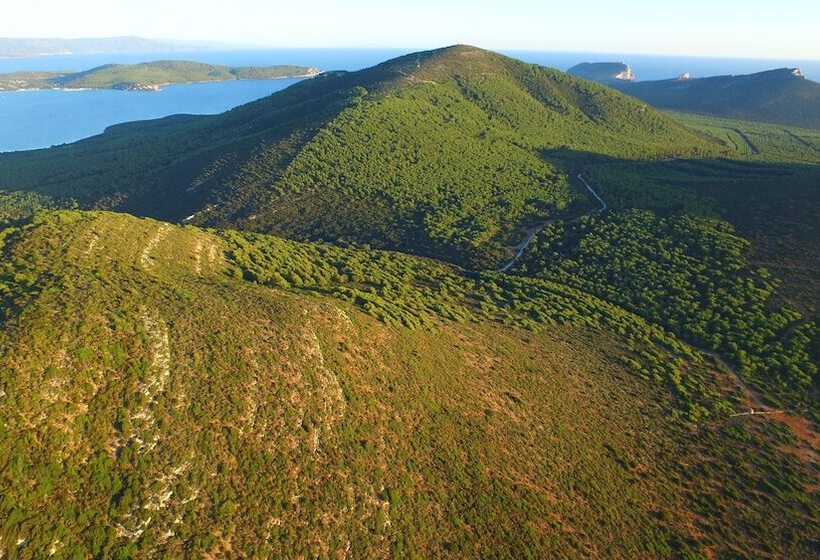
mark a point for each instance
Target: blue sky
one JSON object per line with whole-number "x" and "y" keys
{"x": 752, "y": 28}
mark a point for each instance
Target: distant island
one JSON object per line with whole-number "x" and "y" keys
{"x": 28, "y": 47}
{"x": 148, "y": 76}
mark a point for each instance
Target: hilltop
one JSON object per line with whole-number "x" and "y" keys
{"x": 148, "y": 76}
{"x": 440, "y": 153}
{"x": 782, "y": 96}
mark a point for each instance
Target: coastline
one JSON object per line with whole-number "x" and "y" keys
{"x": 153, "y": 88}
{"x": 41, "y": 119}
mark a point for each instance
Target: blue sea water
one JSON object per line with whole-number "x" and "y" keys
{"x": 38, "y": 119}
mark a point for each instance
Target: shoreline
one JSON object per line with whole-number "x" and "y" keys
{"x": 149, "y": 88}
{"x": 154, "y": 88}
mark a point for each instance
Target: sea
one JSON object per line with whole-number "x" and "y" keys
{"x": 40, "y": 119}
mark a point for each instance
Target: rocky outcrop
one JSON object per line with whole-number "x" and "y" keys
{"x": 603, "y": 72}
{"x": 626, "y": 74}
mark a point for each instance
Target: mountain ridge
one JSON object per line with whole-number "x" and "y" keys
{"x": 782, "y": 96}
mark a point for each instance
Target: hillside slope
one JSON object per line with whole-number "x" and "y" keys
{"x": 780, "y": 96}
{"x": 443, "y": 155}
{"x": 155, "y": 403}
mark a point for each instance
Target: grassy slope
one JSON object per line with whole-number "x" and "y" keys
{"x": 437, "y": 136}
{"x": 182, "y": 411}
{"x": 757, "y": 141}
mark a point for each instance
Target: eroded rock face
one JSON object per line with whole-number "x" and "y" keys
{"x": 603, "y": 72}
{"x": 627, "y": 75}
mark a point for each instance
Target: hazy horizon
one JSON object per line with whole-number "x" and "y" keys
{"x": 729, "y": 30}
{"x": 219, "y": 45}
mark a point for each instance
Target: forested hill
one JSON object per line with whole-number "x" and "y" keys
{"x": 780, "y": 96}
{"x": 440, "y": 152}
{"x": 148, "y": 76}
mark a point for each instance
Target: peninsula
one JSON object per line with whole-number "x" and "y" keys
{"x": 148, "y": 76}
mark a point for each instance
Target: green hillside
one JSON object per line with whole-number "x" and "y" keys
{"x": 168, "y": 391}
{"x": 15, "y": 81}
{"x": 758, "y": 141}
{"x": 766, "y": 188}
{"x": 443, "y": 154}
{"x": 148, "y": 75}
{"x": 690, "y": 275}
{"x": 780, "y": 96}
{"x": 722, "y": 252}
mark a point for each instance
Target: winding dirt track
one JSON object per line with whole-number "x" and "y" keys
{"x": 532, "y": 232}
{"x": 590, "y": 189}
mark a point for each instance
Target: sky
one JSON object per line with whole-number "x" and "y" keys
{"x": 729, "y": 28}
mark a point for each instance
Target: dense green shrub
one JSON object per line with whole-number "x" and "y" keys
{"x": 690, "y": 275}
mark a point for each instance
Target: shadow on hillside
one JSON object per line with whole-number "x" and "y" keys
{"x": 570, "y": 160}
{"x": 772, "y": 205}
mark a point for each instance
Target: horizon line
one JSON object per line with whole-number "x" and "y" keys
{"x": 246, "y": 46}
